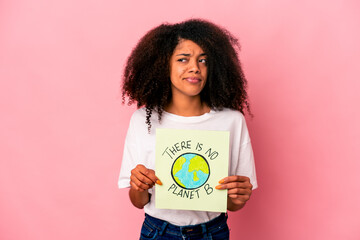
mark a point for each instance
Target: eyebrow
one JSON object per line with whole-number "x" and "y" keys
{"x": 188, "y": 55}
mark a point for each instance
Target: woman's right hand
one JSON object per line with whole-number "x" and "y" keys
{"x": 142, "y": 178}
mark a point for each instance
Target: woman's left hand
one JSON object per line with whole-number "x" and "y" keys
{"x": 239, "y": 191}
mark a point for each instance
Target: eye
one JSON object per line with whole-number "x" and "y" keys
{"x": 182, "y": 60}
{"x": 203, "y": 60}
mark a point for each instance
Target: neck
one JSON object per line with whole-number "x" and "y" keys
{"x": 187, "y": 107}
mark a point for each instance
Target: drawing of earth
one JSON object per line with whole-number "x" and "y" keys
{"x": 190, "y": 171}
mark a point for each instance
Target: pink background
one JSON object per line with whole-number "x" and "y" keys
{"x": 62, "y": 124}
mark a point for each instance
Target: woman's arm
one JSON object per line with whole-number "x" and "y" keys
{"x": 141, "y": 180}
{"x": 139, "y": 199}
{"x": 239, "y": 191}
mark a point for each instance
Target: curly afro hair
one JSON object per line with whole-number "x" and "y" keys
{"x": 146, "y": 78}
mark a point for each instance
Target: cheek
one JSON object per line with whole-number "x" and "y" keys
{"x": 180, "y": 71}
{"x": 175, "y": 71}
{"x": 204, "y": 71}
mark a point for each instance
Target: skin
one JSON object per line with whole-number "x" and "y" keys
{"x": 141, "y": 180}
{"x": 188, "y": 74}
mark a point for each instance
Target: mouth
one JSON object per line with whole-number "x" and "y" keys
{"x": 193, "y": 79}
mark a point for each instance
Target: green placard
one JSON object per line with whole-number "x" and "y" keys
{"x": 190, "y": 164}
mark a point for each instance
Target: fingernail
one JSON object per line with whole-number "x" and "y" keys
{"x": 158, "y": 182}
{"x": 221, "y": 181}
{"x": 218, "y": 187}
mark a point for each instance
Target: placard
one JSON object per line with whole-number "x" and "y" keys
{"x": 190, "y": 163}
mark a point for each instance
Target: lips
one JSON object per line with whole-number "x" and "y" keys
{"x": 193, "y": 79}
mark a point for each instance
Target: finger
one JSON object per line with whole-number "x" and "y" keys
{"x": 143, "y": 170}
{"x": 233, "y": 196}
{"x": 140, "y": 177}
{"x": 153, "y": 177}
{"x": 242, "y": 198}
{"x": 139, "y": 183}
{"x": 234, "y": 178}
{"x": 240, "y": 191}
{"x": 134, "y": 186}
{"x": 234, "y": 185}
{"x": 143, "y": 174}
{"x": 149, "y": 173}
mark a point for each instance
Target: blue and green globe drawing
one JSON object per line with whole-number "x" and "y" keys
{"x": 190, "y": 170}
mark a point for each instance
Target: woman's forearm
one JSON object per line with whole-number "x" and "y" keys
{"x": 139, "y": 199}
{"x": 231, "y": 206}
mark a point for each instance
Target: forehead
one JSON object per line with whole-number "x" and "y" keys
{"x": 188, "y": 46}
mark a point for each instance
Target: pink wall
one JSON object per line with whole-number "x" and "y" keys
{"x": 62, "y": 124}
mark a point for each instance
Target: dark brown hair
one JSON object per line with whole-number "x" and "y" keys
{"x": 146, "y": 77}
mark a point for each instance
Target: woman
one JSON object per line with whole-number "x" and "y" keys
{"x": 185, "y": 76}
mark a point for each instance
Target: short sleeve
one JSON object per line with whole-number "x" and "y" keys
{"x": 130, "y": 157}
{"x": 242, "y": 158}
{"x": 246, "y": 164}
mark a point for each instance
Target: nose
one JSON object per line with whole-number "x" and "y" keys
{"x": 194, "y": 66}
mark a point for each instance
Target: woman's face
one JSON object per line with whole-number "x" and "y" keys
{"x": 188, "y": 69}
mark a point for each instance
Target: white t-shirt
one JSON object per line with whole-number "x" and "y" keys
{"x": 140, "y": 149}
